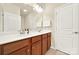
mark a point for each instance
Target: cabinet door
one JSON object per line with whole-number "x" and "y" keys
{"x": 44, "y": 44}
{"x": 49, "y": 40}
{"x": 22, "y": 51}
{"x": 36, "y": 48}
{"x": 28, "y": 50}
{"x": 11, "y": 47}
{"x": 0, "y": 50}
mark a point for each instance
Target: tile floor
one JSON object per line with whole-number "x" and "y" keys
{"x": 54, "y": 52}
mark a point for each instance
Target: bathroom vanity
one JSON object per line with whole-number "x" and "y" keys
{"x": 26, "y": 44}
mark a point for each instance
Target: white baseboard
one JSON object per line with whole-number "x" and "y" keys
{"x": 53, "y": 47}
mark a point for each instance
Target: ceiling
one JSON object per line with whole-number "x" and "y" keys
{"x": 24, "y": 6}
{"x": 29, "y": 7}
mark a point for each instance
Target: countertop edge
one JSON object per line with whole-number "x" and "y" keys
{"x": 18, "y": 39}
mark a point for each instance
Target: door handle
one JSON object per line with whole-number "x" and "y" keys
{"x": 76, "y": 32}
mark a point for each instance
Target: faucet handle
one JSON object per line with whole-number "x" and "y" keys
{"x": 27, "y": 31}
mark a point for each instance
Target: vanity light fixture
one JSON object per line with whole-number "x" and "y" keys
{"x": 37, "y": 8}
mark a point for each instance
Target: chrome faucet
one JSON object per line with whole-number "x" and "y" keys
{"x": 27, "y": 31}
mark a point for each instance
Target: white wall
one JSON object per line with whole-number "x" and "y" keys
{"x": 11, "y": 8}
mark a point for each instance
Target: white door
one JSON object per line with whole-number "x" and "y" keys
{"x": 64, "y": 34}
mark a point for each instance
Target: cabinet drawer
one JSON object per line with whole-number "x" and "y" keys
{"x": 22, "y": 51}
{"x": 36, "y": 38}
{"x": 49, "y": 34}
{"x": 36, "y": 48}
{"x": 19, "y": 52}
{"x": 44, "y": 36}
{"x": 8, "y": 48}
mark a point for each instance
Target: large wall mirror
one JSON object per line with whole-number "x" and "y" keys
{"x": 16, "y": 17}
{"x": 10, "y": 19}
{"x": 1, "y": 21}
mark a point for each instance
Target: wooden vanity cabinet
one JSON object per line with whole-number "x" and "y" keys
{"x": 49, "y": 40}
{"x": 21, "y": 47}
{"x": 36, "y": 45}
{"x": 44, "y": 43}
